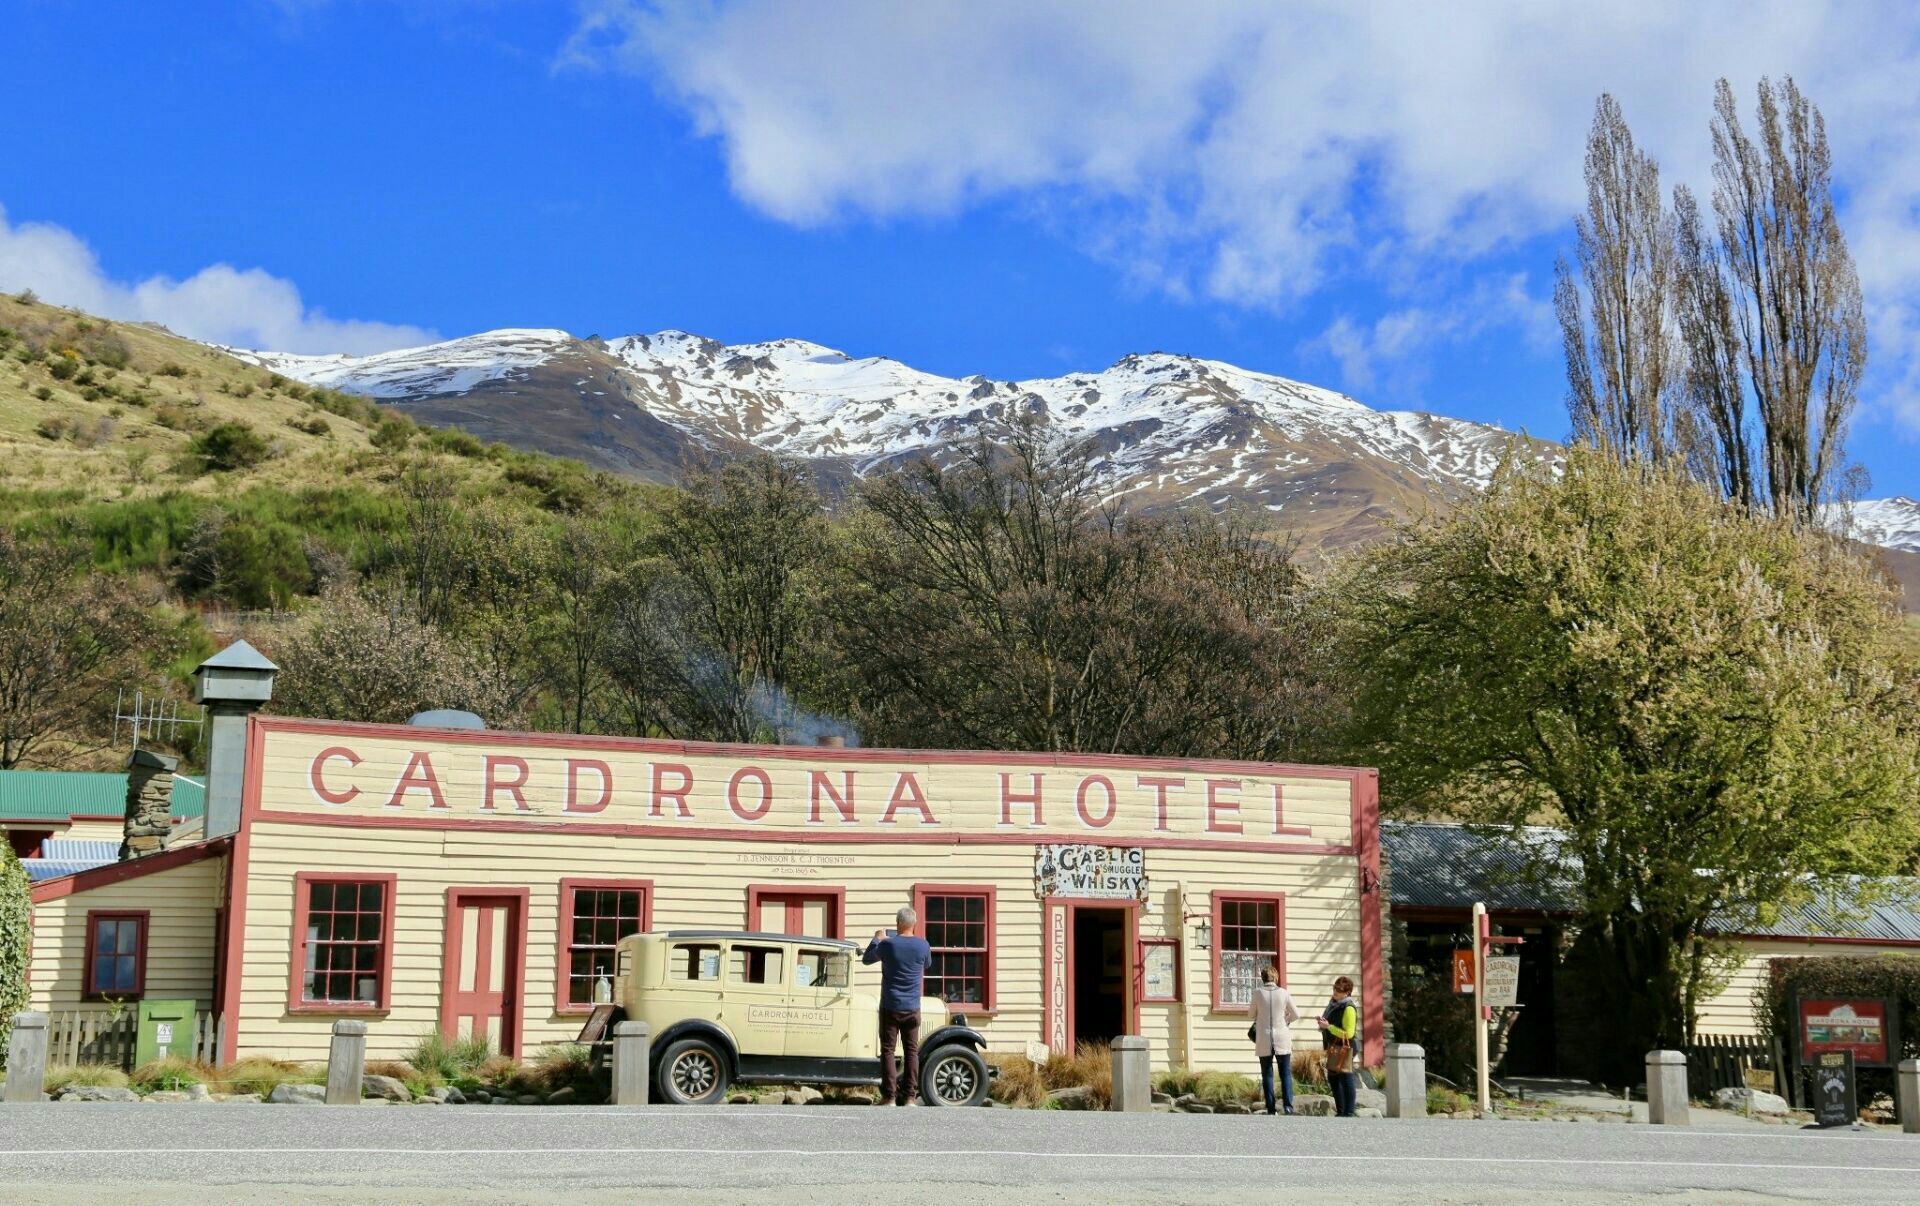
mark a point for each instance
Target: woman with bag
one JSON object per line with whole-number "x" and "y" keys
{"x": 1340, "y": 1024}
{"x": 1274, "y": 1013}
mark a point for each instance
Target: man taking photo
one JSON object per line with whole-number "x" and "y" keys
{"x": 903, "y": 960}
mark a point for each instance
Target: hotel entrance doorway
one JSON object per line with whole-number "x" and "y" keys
{"x": 1102, "y": 973}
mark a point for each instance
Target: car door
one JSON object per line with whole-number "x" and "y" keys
{"x": 825, "y": 1011}
{"x": 755, "y": 1002}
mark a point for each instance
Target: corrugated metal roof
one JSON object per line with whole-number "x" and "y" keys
{"x": 1437, "y": 865}
{"x": 53, "y": 868}
{"x": 102, "y": 850}
{"x": 33, "y": 795}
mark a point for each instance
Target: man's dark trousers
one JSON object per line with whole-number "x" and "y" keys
{"x": 903, "y": 1024}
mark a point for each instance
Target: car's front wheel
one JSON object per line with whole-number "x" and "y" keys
{"x": 693, "y": 1071}
{"x": 954, "y": 1075}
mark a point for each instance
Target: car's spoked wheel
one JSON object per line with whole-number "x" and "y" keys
{"x": 695, "y": 1074}
{"x": 955, "y": 1076}
{"x": 692, "y": 1071}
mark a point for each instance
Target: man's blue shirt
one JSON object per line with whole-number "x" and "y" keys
{"x": 903, "y": 961}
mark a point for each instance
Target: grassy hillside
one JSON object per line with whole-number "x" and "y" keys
{"x": 136, "y": 436}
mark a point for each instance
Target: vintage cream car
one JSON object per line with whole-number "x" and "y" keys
{"x": 729, "y": 1005}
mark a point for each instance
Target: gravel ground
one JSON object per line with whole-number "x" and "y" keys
{"x": 806, "y": 1154}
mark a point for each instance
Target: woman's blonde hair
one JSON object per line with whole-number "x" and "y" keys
{"x": 1269, "y": 976}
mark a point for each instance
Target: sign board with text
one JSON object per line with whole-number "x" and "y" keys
{"x": 1463, "y": 971}
{"x": 1503, "y": 981}
{"x": 1835, "y": 1090}
{"x": 1862, "y": 1027}
{"x": 1090, "y": 872}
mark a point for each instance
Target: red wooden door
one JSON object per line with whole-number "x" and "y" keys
{"x": 814, "y": 914}
{"x": 485, "y": 970}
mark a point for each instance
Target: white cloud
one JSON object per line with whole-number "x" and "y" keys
{"x": 1383, "y": 356}
{"x": 1249, "y": 153}
{"x": 241, "y": 307}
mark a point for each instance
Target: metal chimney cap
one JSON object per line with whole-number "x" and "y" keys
{"x": 446, "y": 718}
{"x": 237, "y": 656}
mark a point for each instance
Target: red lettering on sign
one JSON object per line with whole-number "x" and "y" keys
{"x": 425, "y": 781}
{"x": 907, "y": 794}
{"x": 511, "y": 787}
{"x": 1279, "y": 823}
{"x": 818, "y": 785}
{"x": 319, "y": 786}
{"x": 766, "y": 793}
{"x": 605, "y": 772}
{"x": 1161, "y": 786}
{"x": 1218, "y": 804}
{"x": 662, "y": 792}
{"x": 1009, "y": 797}
{"x": 1080, "y": 801}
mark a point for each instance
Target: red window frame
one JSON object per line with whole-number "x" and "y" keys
{"x": 1220, "y": 901}
{"x": 142, "y": 918}
{"x": 836, "y": 899}
{"x": 303, "y": 884}
{"x": 563, "y": 932}
{"x": 990, "y": 963}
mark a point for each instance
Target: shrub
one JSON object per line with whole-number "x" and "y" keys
{"x": 106, "y": 1076}
{"x": 258, "y": 1074}
{"x": 172, "y": 416}
{"x": 313, "y": 425}
{"x": 561, "y": 1064}
{"x": 171, "y": 1073}
{"x": 1089, "y": 1067}
{"x": 504, "y": 1072}
{"x": 1018, "y": 1083}
{"x": 43, "y": 393}
{"x": 434, "y": 1055}
{"x": 457, "y": 442}
{"x": 63, "y": 367}
{"x": 1212, "y": 1088}
{"x": 1442, "y": 1100}
{"x": 393, "y": 434}
{"x": 170, "y": 369}
{"x": 14, "y": 931}
{"x": 56, "y": 427}
{"x": 232, "y": 445}
{"x": 1893, "y": 976}
{"x": 105, "y": 347}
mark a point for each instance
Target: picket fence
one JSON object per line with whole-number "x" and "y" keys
{"x": 100, "y": 1036}
{"x": 1726, "y": 1061}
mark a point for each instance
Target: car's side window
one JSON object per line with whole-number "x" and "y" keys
{"x": 694, "y": 961}
{"x": 757, "y": 965}
{"x": 821, "y": 969}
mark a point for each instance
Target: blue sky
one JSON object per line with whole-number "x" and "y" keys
{"x": 1371, "y": 203}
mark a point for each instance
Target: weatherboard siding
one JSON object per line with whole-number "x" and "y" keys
{"x": 346, "y": 799}
{"x": 181, "y": 903}
{"x": 1732, "y": 1010}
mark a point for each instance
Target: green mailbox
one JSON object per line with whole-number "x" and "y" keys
{"x": 166, "y": 1028}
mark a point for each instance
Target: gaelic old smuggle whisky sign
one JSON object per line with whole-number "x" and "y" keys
{"x": 1090, "y": 872}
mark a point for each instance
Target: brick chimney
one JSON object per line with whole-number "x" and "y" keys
{"x": 149, "y": 820}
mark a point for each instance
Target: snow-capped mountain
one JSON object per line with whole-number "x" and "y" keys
{"x": 1172, "y": 430}
{"x": 1892, "y": 523}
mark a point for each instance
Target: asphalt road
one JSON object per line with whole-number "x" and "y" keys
{"x": 805, "y": 1154}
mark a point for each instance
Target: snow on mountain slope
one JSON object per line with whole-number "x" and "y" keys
{"x": 453, "y": 367}
{"x": 1170, "y": 429}
{"x": 1892, "y": 523}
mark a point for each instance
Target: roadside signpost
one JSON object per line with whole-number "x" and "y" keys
{"x": 1504, "y": 991}
{"x": 1836, "y": 1100}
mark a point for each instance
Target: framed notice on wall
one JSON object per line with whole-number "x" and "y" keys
{"x": 1159, "y": 969}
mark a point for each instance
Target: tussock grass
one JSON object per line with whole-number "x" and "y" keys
{"x": 105, "y": 1076}
{"x": 258, "y": 1074}
{"x": 1019, "y": 1081}
{"x": 1212, "y": 1088}
{"x": 172, "y": 1073}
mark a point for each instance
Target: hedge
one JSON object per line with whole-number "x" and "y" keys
{"x": 1896, "y": 977}
{"x": 14, "y": 900}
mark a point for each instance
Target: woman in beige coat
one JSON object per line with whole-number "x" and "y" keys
{"x": 1274, "y": 1014}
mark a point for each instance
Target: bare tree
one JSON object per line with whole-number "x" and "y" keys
{"x": 1624, "y": 359}
{"x": 1793, "y": 293}
{"x": 64, "y": 634}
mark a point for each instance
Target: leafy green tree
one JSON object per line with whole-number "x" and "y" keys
{"x": 1714, "y": 705}
{"x": 14, "y": 937}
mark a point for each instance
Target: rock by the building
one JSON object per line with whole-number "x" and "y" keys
{"x": 565, "y": 1095}
{"x": 293, "y": 1094}
{"x": 239, "y": 1099}
{"x": 1071, "y": 1097}
{"x": 1190, "y": 1105}
{"x": 1234, "y": 1107}
{"x": 167, "y": 1096}
{"x": 1317, "y": 1105}
{"x": 391, "y": 1088}
{"x": 1163, "y": 1099}
{"x": 95, "y": 1093}
{"x": 1754, "y": 1101}
{"x": 529, "y": 1099}
{"x": 1370, "y": 1099}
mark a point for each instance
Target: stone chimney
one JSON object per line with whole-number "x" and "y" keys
{"x": 149, "y": 820}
